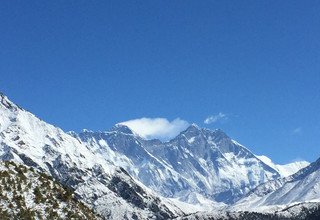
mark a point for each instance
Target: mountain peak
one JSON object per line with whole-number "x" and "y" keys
{"x": 194, "y": 130}
{"x": 216, "y": 133}
{"x": 193, "y": 127}
{"x": 86, "y": 131}
{"x": 7, "y": 103}
{"x": 122, "y": 128}
{"x": 191, "y": 131}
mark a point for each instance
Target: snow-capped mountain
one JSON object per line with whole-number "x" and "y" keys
{"x": 286, "y": 169}
{"x": 106, "y": 188}
{"x": 196, "y": 162}
{"x": 119, "y": 174}
{"x": 219, "y": 167}
{"x": 303, "y": 186}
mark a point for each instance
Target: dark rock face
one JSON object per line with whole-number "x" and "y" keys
{"x": 8, "y": 104}
{"x": 5, "y": 102}
{"x": 70, "y": 176}
{"x": 133, "y": 193}
{"x": 7, "y": 155}
{"x": 28, "y": 161}
{"x": 125, "y": 191}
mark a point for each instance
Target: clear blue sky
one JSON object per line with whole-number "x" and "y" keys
{"x": 91, "y": 64}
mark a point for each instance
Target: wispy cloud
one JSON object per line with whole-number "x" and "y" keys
{"x": 160, "y": 128}
{"x": 297, "y": 130}
{"x": 214, "y": 118}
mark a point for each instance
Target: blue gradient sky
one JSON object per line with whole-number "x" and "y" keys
{"x": 91, "y": 64}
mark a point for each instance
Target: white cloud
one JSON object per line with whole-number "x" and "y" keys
{"x": 159, "y": 128}
{"x": 214, "y": 118}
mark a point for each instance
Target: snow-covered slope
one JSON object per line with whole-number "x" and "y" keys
{"x": 303, "y": 186}
{"x": 28, "y": 194}
{"x": 106, "y": 188}
{"x": 119, "y": 174}
{"x": 302, "y": 211}
{"x": 286, "y": 169}
{"x": 220, "y": 168}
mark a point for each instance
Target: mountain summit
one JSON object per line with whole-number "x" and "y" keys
{"x": 119, "y": 174}
{"x": 90, "y": 172}
{"x": 122, "y": 128}
{"x": 198, "y": 161}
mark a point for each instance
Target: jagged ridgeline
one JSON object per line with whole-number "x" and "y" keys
{"x": 120, "y": 175}
{"x": 96, "y": 181}
{"x": 28, "y": 194}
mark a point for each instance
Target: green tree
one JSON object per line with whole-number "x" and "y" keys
{"x": 37, "y": 194}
